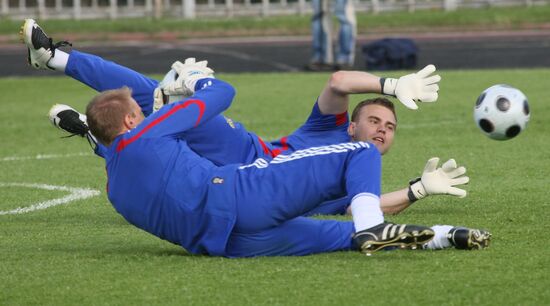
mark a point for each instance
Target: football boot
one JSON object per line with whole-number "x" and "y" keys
{"x": 40, "y": 47}
{"x": 469, "y": 239}
{"x": 388, "y": 235}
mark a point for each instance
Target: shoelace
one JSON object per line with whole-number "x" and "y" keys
{"x": 91, "y": 141}
{"x": 57, "y": 45}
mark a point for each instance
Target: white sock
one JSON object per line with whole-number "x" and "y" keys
{"x": 440, "y": 240}
{"x": 59, "y": 61}
{"x": 366, "y": 211}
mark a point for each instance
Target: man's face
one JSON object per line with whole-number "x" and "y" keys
{"x": 137, "y": 111}
{"x": 135, "y": 117}
{"x": 375, "y": 124}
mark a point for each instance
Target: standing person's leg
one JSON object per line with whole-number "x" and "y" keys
{"x": 347, "y": 34}
{"x": 296, "y": 237}
{"x": 321, "y": 26}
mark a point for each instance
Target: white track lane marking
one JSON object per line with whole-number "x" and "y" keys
{"x": 75, "y": 194}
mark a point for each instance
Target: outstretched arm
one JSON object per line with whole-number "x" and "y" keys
{"x": 421, "y": 86}
{"x": 433, "y": 181}
{"x": 334, "y": 97}
{"x": 395, "y": 202}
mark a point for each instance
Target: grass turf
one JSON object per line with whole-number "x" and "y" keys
{"x": 84, "y": 252}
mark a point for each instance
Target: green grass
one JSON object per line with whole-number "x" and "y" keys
{"x": 85, "y": 253}
{"x": 433, "y": 20}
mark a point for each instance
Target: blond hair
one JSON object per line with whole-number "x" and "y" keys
{"x": 106, "y": 112}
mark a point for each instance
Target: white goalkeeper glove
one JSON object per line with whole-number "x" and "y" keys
{"x": 439, "y": 180}
{"x": 188, "y": 74}
{"x": 159, "y": 98}
{"x": 179, "y": 83}
{"x": 413, "y": 87}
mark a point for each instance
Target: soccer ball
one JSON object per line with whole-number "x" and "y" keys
{"x": 501, "y": 112}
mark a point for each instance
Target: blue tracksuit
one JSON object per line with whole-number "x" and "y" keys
{"x": 223, "y": 141}
{"x": 220, "y": 139}
{"x": 159, "y": 184}
{"x": 234, "y": 145}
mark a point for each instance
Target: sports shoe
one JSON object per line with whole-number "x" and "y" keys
{"x": 69, "y": 120}
{"x": 469, "y": 239}
{"x": 392, "y": 235}
{"x": 40, "y": 47}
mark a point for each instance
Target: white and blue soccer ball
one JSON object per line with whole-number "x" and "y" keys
{"x": 501, "y": 112}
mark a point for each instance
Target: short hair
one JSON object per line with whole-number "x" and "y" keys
{"x": 105, "y": 113}
{"x": 375, "y": 101}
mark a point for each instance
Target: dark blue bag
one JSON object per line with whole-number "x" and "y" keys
{"x": 390, "y": 54}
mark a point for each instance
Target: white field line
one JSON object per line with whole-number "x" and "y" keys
{"x": 74, "y": 195}
{"x": 43, "y": 156}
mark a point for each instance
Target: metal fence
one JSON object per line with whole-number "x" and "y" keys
{"x": 189, "y": 9}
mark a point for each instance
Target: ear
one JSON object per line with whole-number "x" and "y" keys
{"x": 351, "y": 129}
{"x": 130, "y": 121}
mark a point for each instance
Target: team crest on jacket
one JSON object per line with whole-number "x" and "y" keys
{"x": 217, "y": 180}
{"x": 230, "y": 122}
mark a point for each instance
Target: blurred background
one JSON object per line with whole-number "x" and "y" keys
{"x": 276, "y": 35}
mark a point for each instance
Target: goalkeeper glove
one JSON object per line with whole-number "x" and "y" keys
{"x": 188, "y": 74}
{"x": 413, "y": 87}
{"x": 177, "y": 84}
{"x": 438, "y": 180}
{"x": 159, "y": 98}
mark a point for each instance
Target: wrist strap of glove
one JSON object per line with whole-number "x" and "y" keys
{"x": 159, "y": 99}
{"x": 416, "y": 190}
{"x": 192, "y": 81}
{"x": 388, "y": 86}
